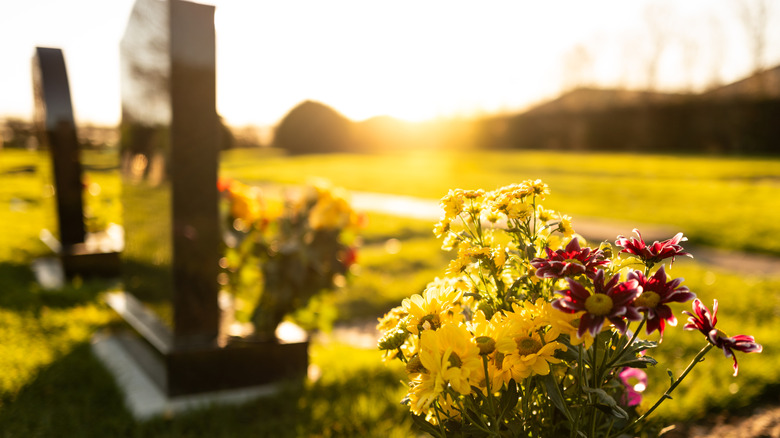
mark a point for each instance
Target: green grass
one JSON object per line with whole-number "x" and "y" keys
{"x": 51, "y": 385}
{"x": 723, "y": 202}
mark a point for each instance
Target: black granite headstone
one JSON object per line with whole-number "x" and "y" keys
{"x": 54, "y": 117}
{"x": 169, "y": 162}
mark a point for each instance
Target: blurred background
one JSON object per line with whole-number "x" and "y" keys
{"x": 654, "y": 114}
{"x": 376, "y": 65}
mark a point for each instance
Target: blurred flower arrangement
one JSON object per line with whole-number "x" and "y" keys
{"x": 532, "y": 334}
{"x": 283, "y": 252}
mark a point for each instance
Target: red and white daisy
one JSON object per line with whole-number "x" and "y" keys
{"x": 569, "y": 262}
{"x": 704, "y": 321}
{"x": 655, "y": 252}
{"x": 656, "y": 293}
{"x": 609, "y": 300}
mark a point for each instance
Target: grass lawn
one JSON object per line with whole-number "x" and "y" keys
{"x": 723, "y": 202}
{"x": 51, "y": 385}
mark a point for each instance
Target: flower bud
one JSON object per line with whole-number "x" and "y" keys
{"x": 486, "y": 308}
{"x": 415, "y": 365}
{"x": 486, "y": 344}
{"x": 394, "y": 338}
{"x": 606, "y": 248}
{"x": 429, "y": 322}
{"x": 454, "y": 360}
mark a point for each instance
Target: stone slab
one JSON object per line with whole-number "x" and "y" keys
{"x": 143, "y": 397}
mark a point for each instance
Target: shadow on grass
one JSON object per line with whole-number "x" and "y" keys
{"x": 357, "y": 310}
{"x": 76, "y": 396}
{"x": 19, "y": 290}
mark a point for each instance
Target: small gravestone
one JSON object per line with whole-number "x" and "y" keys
{"x": 55, "y": 121}
{"x": 169, "y": 162}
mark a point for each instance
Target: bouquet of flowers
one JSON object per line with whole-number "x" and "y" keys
{"x": 531, "y": 333}
{"x": 294, "y": 248}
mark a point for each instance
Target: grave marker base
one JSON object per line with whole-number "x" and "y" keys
{"x": 178, "y": 371}
{"x": 143, "y": 397}
{"x": 79, "y": 260}
{"x": 88, "y": 259}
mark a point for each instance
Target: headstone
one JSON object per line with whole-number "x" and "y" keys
{"x": 54, "y": 117}
{"x": 169, "y": 162}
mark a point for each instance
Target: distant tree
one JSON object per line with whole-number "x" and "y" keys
{"x": 754, "y": 16}
{"x": 248, "y": 136}
{"x": 657, "y": 22}
{"x": 577, "y": 67}
{"x": 312, "y": 127}
{"x": 715, "y": 42}
{"x": 20, "y": 133}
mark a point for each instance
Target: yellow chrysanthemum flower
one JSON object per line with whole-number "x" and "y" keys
{"x": 441, "y": 228}
{"x": 391, "y": 319}
{"x": 246, "y": 203}
{"x": 555, "y": 242}
{"x": 439, "y": 303}
{"x": 481, "y": 327}
{"x": 564, "y": 323}
{"x": 516, "y": 209}
{"x": 531, "y": 357}
{"x": 452, "y": 204}
{"x": 565, "y": 226}
{"x": 499, "y": 375}
{"x": 450, "y": 241}
{"x": 331, "y": 211}
{"x": 498, "y": 256}
{"x": 424, "y": 389}
{"x": 525, "y": 317}
{"x": 543, "y": 214}
{"x": 524, "y": 351}
{"x": 457, "y": 266}
{"x": 538, "y": 188}
{"x": 450, "y": 352}
{"x": 491, "y": 215}
{"x": 486, "y": 332}
{"x": 468, "y": 253}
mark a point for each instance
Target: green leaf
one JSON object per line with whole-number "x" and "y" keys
{"x": 633, "y": 358}
{"x": 606, "y": 402}
{"x": 643, "y": 344}
{"x": 477, "y": 392}
{"x": 635, "y": 362}
{"x": 517, "y": 284}
{"x": 555, "y": 394}
{"x": 573, "y": 352}
{"x": 508, "y": 400}
{"x": 425, "y": 426}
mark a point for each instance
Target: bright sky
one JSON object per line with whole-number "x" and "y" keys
{"x": 409, "y": 59}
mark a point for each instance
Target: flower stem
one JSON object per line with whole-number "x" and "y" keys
{"x": 401, "y": 356}
{"x": 625, "y": 347}
{"x": 595, "y": 383}
{"x": 489, "y": 393}
{"x": 699, "y": 357}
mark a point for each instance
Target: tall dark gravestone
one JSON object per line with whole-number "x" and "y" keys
{"x": 55, "y": 121}
{"x": 169, "y": 163}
